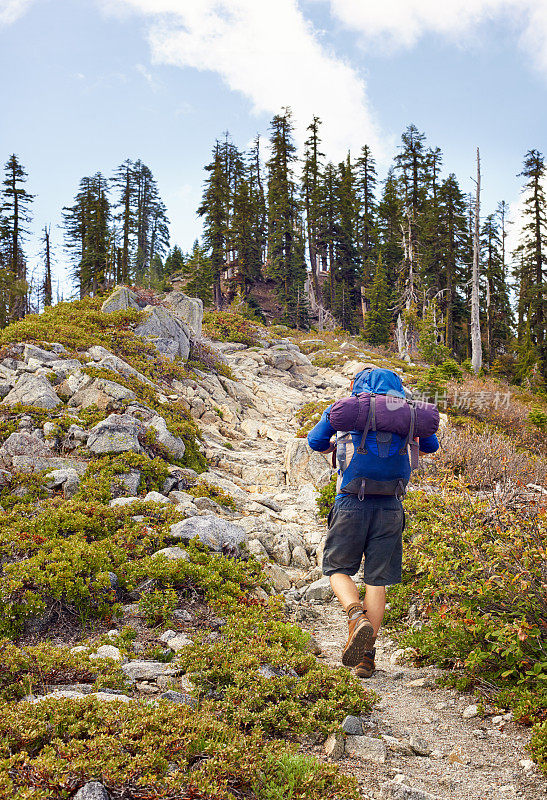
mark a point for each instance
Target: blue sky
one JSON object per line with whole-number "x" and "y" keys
{"x": 98, "y": 81}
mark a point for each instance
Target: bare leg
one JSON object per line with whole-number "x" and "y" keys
{"x": 344, "y": 589}
{"x": 375, "y": 605}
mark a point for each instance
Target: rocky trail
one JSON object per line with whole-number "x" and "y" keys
{"x": 422, "y": 741}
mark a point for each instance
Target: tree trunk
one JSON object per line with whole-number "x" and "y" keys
{"x": 476, "y": 346}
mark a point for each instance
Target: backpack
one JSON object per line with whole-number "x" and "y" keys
{"x": 378, "y": 404}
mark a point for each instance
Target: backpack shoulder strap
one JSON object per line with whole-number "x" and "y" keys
{"x": 370, "y": 424}
{"x": 410, "y": 435}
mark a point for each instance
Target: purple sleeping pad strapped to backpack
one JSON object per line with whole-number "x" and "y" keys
{"x": 392, "y": 414}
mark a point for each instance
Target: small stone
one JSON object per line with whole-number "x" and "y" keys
{"x": 394, "y": 790}
{"x": 178, "y": 642}
{"x": 166, "y": 635}
{"x": 401, "y": 656}
{"x": 419, "y": 745}
{"x": 353, "y": 726}
{"x": 422, "y": 683}
{"x": 147, "y": 670}
{"x": 457, "y": 755}
{"x": 526, "y": 764}
{"x": 396, "y": 746}
{"x": 314, "y": 646}
{"x": 156, "y": 497}
{"x": 179, "y": 697}
{"x": 366, "y": 748}
{"x": 113, "y": 634}
{"x": 277, "y": 576}
{"x": 173, "y": 553}
{"x": 107, "y": 651}
{"x": 80, "y": 648}
{"x": 320, "y": 590}
{"x": 334, "y": 746}
{"x": 92, "y": 790}
{"x": 470, "y": 711}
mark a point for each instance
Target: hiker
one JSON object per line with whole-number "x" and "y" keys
{"x": 367, "y": 518}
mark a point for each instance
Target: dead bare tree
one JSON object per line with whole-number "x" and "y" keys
{"x": 476, "y": 344}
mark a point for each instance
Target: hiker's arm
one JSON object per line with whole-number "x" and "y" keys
{"x": 429, "y": 444}
{"x": 320, "y": 436}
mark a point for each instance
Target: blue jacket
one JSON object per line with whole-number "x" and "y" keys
{"x": 369, "y": 465}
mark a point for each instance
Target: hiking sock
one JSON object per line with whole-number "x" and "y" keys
{"x": 354, "y": 610}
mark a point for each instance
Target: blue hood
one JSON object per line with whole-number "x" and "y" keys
{"x": 380, "y": 381}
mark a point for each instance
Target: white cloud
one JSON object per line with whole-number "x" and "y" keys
{"x": 271, "y": 54}
{"x": 11, "y": 10}
{"x": 404, "y": 22}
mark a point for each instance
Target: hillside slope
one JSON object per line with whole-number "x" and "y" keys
{"x": 146, "y": 649}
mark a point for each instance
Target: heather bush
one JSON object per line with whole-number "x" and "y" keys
{"x": 226, "y": 326}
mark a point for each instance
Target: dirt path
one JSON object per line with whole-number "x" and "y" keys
{"x": 472, "y": 758}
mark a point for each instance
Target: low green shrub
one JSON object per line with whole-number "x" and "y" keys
{"x": 158, "y": 605}
{"x": 326, "y": 497}
{"x": 476, "y": 577}
{"x": 164, "y": 751}
{"x": 226, "y": 326}
{"x": 214, "y": 493}
{"x": 309, "y": 415}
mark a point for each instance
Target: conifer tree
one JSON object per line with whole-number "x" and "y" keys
{"x": 377, "y": 321}
{"x": 312, "y": 195}
{"x": 287, "y": 265}
{"x": 497, "y": 307}
{"x": 532, "y": 265}
{"x": 198, "y": 270}
{"x": 88, "y": 236}
{"x": 15, "y": 204}
{"x": 453, "y": 247}
{"x": 214, "y": 210}
{"x": 175, "y": 262}
{"x": 366, "y": 188}
{"x": 346, "y": 265}
{"x": 47, "y": 291}
{"x": 389, "y": 228}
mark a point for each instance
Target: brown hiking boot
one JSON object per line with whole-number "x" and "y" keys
{"x": 361, "y": 636}
{"x": 366, "y": 668}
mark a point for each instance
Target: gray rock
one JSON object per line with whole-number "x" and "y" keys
{"x": 170, "y": 335}
{"x": 156, "y": 497}
{"x": 120, "y": 299}
{"x": 207, "y": 504}
{"x": 147, "y": 670}
{"x": 92, "y": 790}
{"x": 277, "y": 577}
{"x": 304, "y": 465}
{"x": 419, "y": 745}
{"x": 334, "y": 746}
{"x": 21, "y": 443}
{"x": 216, "y": 533}
{"x": 120, "y": 366}
{"x": 65, "y": 366}
{"x": 400, "y": 791}
{"x": 101, "y": 393}
{"x": 178, "y": 642}
{"x": 299, "y": 558}
{"x": 471, "y": 711}
{"x": 39, "y": 354}
{"x": 5, "y": 389}
{"x": 320, "y": 590}
{"x": 397, "y": 746}
{"x": 189, "y": 309}
{"x": 366, "y": 748}
{"x": 352, "y": 726}
{"x": 128, "y": 482}
{"x": 32, "y": 390}
{"x": 179, "y": 697}
{"x": 118, "y": 433}
{"x": 173, "y": 444}
{"x": 67, "y": 478}
{"x": 39, "y": 464}
{"x": 173, "y": 553}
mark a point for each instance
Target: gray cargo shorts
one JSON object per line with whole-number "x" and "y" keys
{"x": 373, "y": 528}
